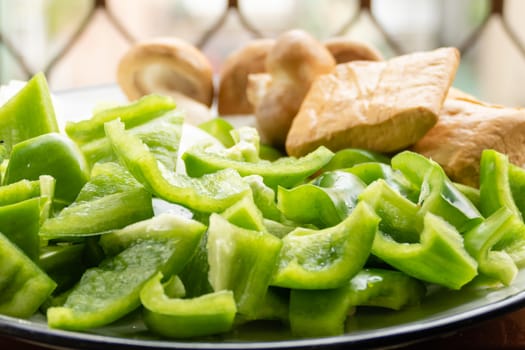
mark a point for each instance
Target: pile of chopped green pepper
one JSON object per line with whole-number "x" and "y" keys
{"x": 99, "y": 222}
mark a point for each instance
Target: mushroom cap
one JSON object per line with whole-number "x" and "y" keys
{"x": 233, "y": 80}
{"x": 165, "y": 65}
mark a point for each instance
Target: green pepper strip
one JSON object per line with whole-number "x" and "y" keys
{"x": 99, "y": 216}
{"x": 479, "y": 241}
{"x": 245, "y": 214}
{"x": 370, "y": 172}
{"x": 347, "y": 158}
{"x": 495, "y": 190}
{"x": 111, "y": 290}
{"x": 495, "y": 193}
{"x": 327, "y": 258}
{"x": 315, "y": 313}
{"x": 220, "y": 129}
{"x": 20, "y": 222}
{"x": 285, "y": 172}
{"x": 183, "y": 318}
{"x": 210, "y": 193}
{"x": 241, "y": 260}
{"x": 23, "y": 285}
{"x": 517, "y": 186}
{"x": 63, "y": 263}
{"x": 49, "y": 154}
{"x": 439, "y": 258}
{"x": 324, "y": 202}
{"x": 162, "y": 226}
{"x": 143, "y": 110}
{"x": 19, "y": 191}
{"x": 162, "y": 136}
{"x": 400, "y": 218}
{"x": 264, "y": 197}
{"x": 438, "y": 194}
{"x": 28, "y": 114}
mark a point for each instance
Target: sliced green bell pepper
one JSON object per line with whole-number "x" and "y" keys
{"x": 479, "y": 242}
{"x": 517, "y": 186}
{"x": 245, "y": 214}
{"x": 315, "y": 313}
{"x": 440, "y": 256}
{"x": 163, "y": 226}
{"x": 194, "y": 275}
{"x": 495, "y": 193}
{"x": 220, "y": 129}
{"x": 110, "y": 200}
{"x": 385, "y": 288}
{"x": 111, "y": 290}
{"x": 494, "y": 186}
{"x": 347, "y": 158}
{"x": 438, "y": 195}
{"x": 20, "y": 222}
{"x": 400, "y": 218}
{"x": 324, "y": 202}
{"x": 285, "y": 172}
{"x": 241, "y": 260}
{"x": 327, "y": 258}
{"x": 141, "y": 111}
{"x": 63, "y": 263}
{"x": 162, "y": 135}
{"x": 264, "y": 198}
{"x": 184, "y": 318}
{"x": 372, "y": 171}
{"x": 28, "y": 114}
{"x": 213, "y": 192}
{"x": 23, "y": 285}
{"x": 19, "y": 191}
{"x": 49, "y": 154}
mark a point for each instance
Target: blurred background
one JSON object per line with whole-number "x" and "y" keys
{"x": 78, "y": 43}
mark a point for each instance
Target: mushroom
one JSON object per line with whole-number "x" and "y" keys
{"x": 293, "y": 63}
{"x": 172, "y": 67}
{"x": 346, "y": 50}
{"x": 233, "y": 80}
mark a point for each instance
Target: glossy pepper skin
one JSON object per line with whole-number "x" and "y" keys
{"x": 324, "y": 202}
{"x": 285, "y": 172}
{"x": 141, "y": 111}
{"x": 49, "y": 154}
{"x": 241, "y": 260}
{"x": 349, "y": 157}
{"x": 438, "y": 195}
{"x": 28, "y": 114}
{"x": 496, "y": 193}
{"x": 482, "y": 240}
{"x": 213, "y": 192}
{"x": 315, "y": 313}
{"x": 110, "y": 200}
{"x": 111, "y": 290}
{"x": 439, "y": 257}
{"x": 24, "y": 285}
{"x": 207, "y": 314}
{"x": 400, "y": 218}
{"x": 323, "y": 259}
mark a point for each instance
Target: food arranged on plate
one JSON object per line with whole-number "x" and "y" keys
{"x": 365, "y": 183}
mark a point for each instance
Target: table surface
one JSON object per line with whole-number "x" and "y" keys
{"x": 504, "y": 332}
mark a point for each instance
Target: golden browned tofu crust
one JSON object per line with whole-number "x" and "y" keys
{"x": 465, "y": 128}
{"x": 382, "y": 106}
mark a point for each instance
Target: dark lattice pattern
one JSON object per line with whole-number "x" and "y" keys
{"x": 365, "y": 7}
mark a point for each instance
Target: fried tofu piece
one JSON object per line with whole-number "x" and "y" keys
{"x": 465, "y": 128}
{"x": 382, "y": 106}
